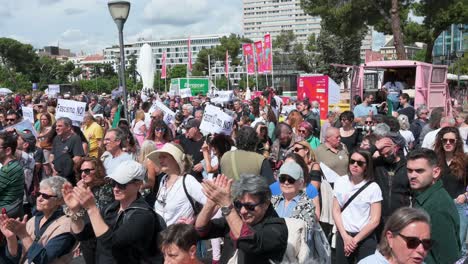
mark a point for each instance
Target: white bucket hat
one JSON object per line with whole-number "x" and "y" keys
{"x": 169, "y": 148}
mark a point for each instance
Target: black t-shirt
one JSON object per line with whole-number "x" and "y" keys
{"x": 63, "y": 152}
{"x": 409, "y": 112}
{"x": 193, "y": 148}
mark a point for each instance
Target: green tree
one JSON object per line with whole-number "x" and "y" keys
{"x": 131, "y": 70}
{"x": 17, "y": 57}
{"x": 178, "y": 71}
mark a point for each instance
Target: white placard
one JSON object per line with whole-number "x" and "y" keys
{"x": 28, "y": 114}
{"x": 329, "y": 174}
{"x": 72, "y": 109}
{"x": 169, "y": 115}
{"x": 53, "y": 89}
{"x": 216, "y": 121}
{"x": 185, "y": 93}
{"x": 222, "y": 96}
{"x": 288, "y": 109}
{"x": 23, "y": 125}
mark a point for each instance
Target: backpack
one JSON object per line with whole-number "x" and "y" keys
{"x": 155, "y": 256}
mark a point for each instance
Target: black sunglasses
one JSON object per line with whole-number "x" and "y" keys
{"x": 248, "y": 206}
{"x": 368, "y": 122}
{"x": 297, "y": 149}
{"x": 120, "y": 185}
{"x": 11, "y": 120}
{"x": 360, "y": 163}
{"x": 86, "y": 171}
{"x": 46, "y": 196}
{"x": 449, "y": 141}
{"x": 283, "y": 178}
{"x": 414, "y": 242}
{"x": 160, "y": 129}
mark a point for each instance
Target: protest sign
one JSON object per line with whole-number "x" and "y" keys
{"x": 23, "y": 125}
{"x": 53, "y": 89}
{"x": 72, "y": 109}
{"x": 28, "y": 114}
{"x": 216, "y": 121}
{"x": 169, "y": 115}
{"x": 185, "y": 93}
{"x": 220, "y": 97}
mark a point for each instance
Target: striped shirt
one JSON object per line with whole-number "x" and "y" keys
{"x": 11, "y": 183}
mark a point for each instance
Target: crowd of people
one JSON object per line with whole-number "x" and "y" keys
{"x": 374, "y": 185}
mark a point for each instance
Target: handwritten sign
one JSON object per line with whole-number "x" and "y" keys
{"x": 53, "y": 89}
{"x": 28, "y": 114}
{"x": 216, "y": 121}
{"x": 169, "y": 115}
{"x": 72, "y": 109}
{"x": 185, "y": 93}
{"x": 222, "y": 96}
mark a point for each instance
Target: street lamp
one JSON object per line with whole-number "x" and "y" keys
{"x": 119, "y": 11}
{"x": 460, "y": 52}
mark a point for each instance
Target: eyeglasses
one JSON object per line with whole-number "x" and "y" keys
{"x": 414, "y": 242}
{"x": 450, "y": 141}
{"x": 360, "y": 163}
{"x": 285, "y": 178}
{"x": 86, "y": 171}
{"x": 368, "y": 122}
{"x": 160, "y": 129}
{"x": 120, "y": 185}
{"x": 297, "y": 149}
{"x": 46, "y": 196}
{"x": 248, "y": 206}
{"x": 302, "y": 131}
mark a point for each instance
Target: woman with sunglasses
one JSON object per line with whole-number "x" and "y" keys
{"x": 356, "y": 223}
{"x": 303, "y": 149}
{"x": 178, "y": 191}
{"x": 406, "y": 238}
{"x": 159, "y": 133}
{"x": 92, "y": 174}
{"x": 306, "y": 132}
{"x": 454, "y": 163}
{"x": 349, "y": 136}
{"x": 126, "y": 229}
{"x": 46, "y": 237}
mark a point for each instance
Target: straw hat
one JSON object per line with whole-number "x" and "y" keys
{"x": 171, "y": 149}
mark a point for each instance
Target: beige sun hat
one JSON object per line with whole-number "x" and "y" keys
{"x": 172, "y": 150}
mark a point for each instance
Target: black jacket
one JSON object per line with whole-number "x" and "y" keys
{"x": 131, "y": 237}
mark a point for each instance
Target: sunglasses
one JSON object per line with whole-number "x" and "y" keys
{"x": 360, "y": 163}
{"x": 414, "y": 242}
{"x": 286, "y": 178}
{"x": 46, "y": 196}
{"x": 10, "y": 120}
{"x": 248, "y": 206}
{"x": 297, "y": 149}
{"x": 86, "y": 171}
{"x": 302, "y": 131}
{"x": 120, "y": 185}
{"x": 449, "y": 141}
{"x": 368, "y": 122}
{"x": 160, "y": 129}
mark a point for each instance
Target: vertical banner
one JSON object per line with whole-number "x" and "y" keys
{"x": 249, "y": 58}
{"x": 164, "y": 69}
{"x": 226, "y": 65}
{"x": 268, "y": 54}
{"x": 189, "y": 67}
{"x": 316, "y": 89}
{"x": 259, "y": 56}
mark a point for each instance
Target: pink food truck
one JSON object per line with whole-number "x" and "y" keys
{"x": 425, "y": 83}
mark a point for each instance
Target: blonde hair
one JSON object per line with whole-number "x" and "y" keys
{"x": 140, "y": 115}
{"x": 147, "y": 147}
{"x": 311, "y": 156}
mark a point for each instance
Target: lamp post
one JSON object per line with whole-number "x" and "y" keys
{"x": 119, "y": 11}
{"x": 460, "y": 52}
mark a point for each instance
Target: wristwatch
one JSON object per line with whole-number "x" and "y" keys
{"x": 226, "y": 210}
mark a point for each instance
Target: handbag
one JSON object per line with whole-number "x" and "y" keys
{"x": 355, "y": 195}
{"x": 15, "y": 209}
{"x": 196, "y": 206}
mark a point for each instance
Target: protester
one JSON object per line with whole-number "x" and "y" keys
{"x": 159, "y": 133}
{"x": 114, "y": 141}
{"x": 93, "y": 133}
{"x": 191, "y": 143}
{"x": 11, "y": 173}
{"x": 139, "y": 128}
{"x": 348, "y": 134}
{"x": 179, "y": 244}
{"x": 417, "y": 125}
{"x": 285, "y": 138}
{"x": 306, "y": 131}
{"x": 365, "y": 108}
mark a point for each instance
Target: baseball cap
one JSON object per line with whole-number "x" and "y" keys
{"x": 192, "y": 123}
{"x": 27, "y": 136}
{"x": 292, "y": 169}
{"x": 127, "y": 171}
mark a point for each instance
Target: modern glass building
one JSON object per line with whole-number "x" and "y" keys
{"x": 449, "y": 42}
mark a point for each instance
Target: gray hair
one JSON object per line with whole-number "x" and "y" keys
{"x": 315, "y": 104}
{"x": 189, "y": 107}
{"x": 400, "y": 219}
{"x": 420, "y": 109}
{"x": 404, "y": 122}
{"x": 119, "y": 135}
{"x": 66, "y": 121}
{"x": 255, "y": 185}
{"x": 55, "y": 183}
{"x": 381, "y": 130}
{"x": 450, "y": 121}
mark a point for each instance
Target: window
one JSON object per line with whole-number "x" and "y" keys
{"x": 438, "y": 75}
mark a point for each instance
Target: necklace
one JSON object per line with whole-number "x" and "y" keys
{"x": 164, "y": 190}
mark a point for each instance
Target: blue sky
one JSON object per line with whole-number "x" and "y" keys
{"x": 86, "y": 25}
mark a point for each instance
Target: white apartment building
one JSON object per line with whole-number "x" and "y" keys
{"x": 273, "y": 16}
{"x": 176, "y": 49}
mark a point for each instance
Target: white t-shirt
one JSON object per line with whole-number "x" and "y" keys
{"x": 429, "y": 139}
{"x": 357, "y": 214}
{"x": 409, "y": 138}
{"x": 173, "y": 204}
{"x": 137, "y": 128}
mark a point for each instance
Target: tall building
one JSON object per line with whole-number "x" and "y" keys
{"x": 175, "y": 48}
{"x": 449, "y": 42}
{"x": 273, "y": 16}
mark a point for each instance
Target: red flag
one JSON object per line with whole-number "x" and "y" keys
{"x": 268, "y": 57}
{"x": 226, "y": 65}
{"x": 163, "y": 62}
{"x": 189, "y": 56}
{"x": 259, "y": 56}
{"x": 249, "y": 58}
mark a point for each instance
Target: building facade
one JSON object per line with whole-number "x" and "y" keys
{"x": 449, "y": 42}
{"x": 176, "y": 49}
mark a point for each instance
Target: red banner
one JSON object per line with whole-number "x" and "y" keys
{"x": 259, "y": 56}
{"x": 189, "y": 67}
{"x": 316, "y": 89}
{"x": 226, "y": 65}
{"x": 249, "y": 58}
{"x": 164, "y": 69}
{"x": 268, "y": 54}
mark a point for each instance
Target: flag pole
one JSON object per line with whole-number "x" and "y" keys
{"x": 246, "y": 71}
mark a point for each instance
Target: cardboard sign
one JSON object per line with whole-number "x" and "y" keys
{"x": 72, "y": 109}
{"x": 53, "y": 90}
{"x": 185, "y": 93}
{"x": 215, "y": 121}
{"x": 28, "y": 114}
